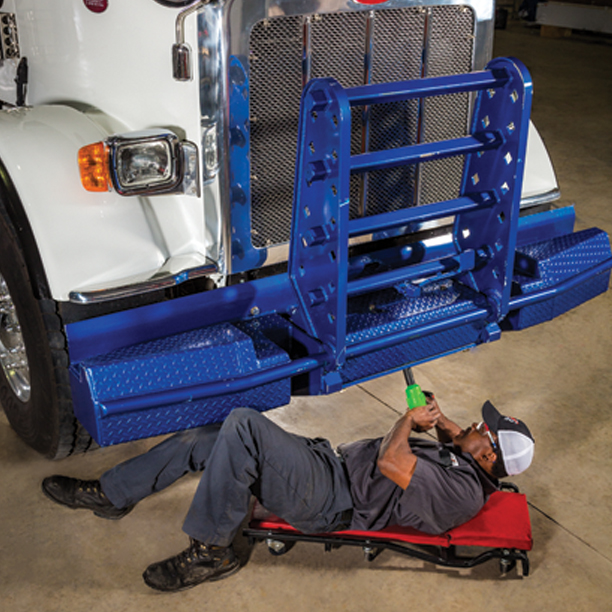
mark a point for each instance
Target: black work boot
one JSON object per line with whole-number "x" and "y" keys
{"x": 76, "y": 493}
{"x": 198, "y": 563}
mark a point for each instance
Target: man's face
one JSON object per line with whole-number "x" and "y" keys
{"x": 479, "y": 442}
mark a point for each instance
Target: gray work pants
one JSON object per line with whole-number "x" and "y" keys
{"x": 297, "y": 478}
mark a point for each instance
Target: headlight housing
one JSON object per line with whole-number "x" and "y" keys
{"x": 149, "y": 162}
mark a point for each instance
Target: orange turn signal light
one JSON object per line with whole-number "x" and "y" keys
{"x": 94, "y": 167}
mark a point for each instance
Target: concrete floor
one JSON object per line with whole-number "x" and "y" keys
{"x": 556, "y": 377}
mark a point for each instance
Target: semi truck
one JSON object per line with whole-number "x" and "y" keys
{"x": 219, "y": 203}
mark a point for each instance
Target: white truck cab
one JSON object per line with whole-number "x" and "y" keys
{"x": 150, "y": 159}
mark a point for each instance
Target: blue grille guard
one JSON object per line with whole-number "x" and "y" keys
{"x": 334, "y": 319}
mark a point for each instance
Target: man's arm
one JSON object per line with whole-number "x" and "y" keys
{"x": 396, "y": 460}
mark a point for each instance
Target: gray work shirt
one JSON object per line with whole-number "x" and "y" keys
{"x": 446, "y": 489}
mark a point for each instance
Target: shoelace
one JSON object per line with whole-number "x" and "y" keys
{"x": 91, "y": 486}
{"x": 198, "y": 551}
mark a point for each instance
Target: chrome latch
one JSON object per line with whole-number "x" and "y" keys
{"x": 181, "y": 52}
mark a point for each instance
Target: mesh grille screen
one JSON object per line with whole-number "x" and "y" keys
{"x": 337, "y": 44}
{"x": 449, "y": 52}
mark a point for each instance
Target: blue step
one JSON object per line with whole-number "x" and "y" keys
{"x": 386, "y": 330}
{"x": 445, "y": 318}
{"x": 555, "y": 262}
{"x": 156, "y": 386}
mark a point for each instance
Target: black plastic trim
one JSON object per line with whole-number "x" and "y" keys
{"x": 175, "y": 3}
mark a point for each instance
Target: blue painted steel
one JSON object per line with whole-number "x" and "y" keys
{"x": 484, "y": 236}
{"x": 167, "y": 419}
{"x": 493, "y": 232}
{"x": 171, "y": 372}
{"x": 471, "y": 316}
{"x": 438, "y": 269}
{"x": 570, "y": 270}
{"x": 318, "y": 255}
{"x": 600, "y": 272}
{"x": 244, "y": 255}
{"x": 212, "y": 389}
{"x": 546, "y": 225}
{"x": 335, "y": 319}
{"x": 384, "y": 93}
{"x": 237, "y": 302}
{"x": 429, "y": 151}
{"x": 426, "y": 212}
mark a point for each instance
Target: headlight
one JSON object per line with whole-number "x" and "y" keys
{"x": 145, "y": 164}
{"x": 141, "y": 163}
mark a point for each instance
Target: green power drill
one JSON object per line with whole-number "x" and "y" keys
{"x": 414, "y": 396}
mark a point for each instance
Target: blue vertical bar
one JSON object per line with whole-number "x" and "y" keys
{"x": 318, "y": 256}
{"x": 491, "y": 233}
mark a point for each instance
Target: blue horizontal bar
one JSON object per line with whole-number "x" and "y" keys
{"x": 214, "y": 389}
{"x": 545, "y": 225}
{"x": 529, "y": 299}
{"x": 426, "y": 212}
{"x": 226, "y": 304}
{"x": 429, "y": 151}
{"x": 376, "y": 344}
{"x": 365, "y": 95}
{"x": 392, "y": 277}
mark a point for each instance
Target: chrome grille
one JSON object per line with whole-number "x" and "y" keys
{"x": 285, "y": 51}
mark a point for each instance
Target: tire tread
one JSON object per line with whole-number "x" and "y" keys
{"x": 73, "y": 438}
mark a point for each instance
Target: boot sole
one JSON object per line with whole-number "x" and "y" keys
{"x": 216, "y": 578}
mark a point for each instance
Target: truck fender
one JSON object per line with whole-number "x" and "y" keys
{"x": 539, "y": 180}
{"x": 81, "y": 237}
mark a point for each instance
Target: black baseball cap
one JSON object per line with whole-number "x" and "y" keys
{"x": 515, "y": 442}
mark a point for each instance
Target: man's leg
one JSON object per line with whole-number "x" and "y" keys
{"x": 297, "y": 478}
{"x": 134, "y": 479}
{"x": 121, "y": 487}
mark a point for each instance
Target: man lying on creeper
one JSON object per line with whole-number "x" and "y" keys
{"x": 365, "y": 485}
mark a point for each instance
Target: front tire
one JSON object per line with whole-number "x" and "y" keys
{"x": 34, "y": 383}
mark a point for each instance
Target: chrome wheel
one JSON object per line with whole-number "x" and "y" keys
{"x": 13, "y": 356}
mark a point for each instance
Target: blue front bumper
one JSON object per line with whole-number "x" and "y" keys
{"x": 336, "y": 318}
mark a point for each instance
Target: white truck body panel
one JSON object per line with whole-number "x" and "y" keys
{"x": 539, "y": 178}
{"x": 94, "y": 74}
{"x": 109, "y": 75}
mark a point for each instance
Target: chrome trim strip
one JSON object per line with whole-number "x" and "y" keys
{"x": 544, "y": 198}
{"x": 306, "y": 51}
{"x": 365, "y": 116}
{"x": 158, "y": 281}
{"x": 421, "y": 106}
{"x": 213, "y": 34}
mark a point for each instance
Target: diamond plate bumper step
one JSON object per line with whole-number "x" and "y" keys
{"x": 119, "y": 394}
{"x": 337, "y": 318}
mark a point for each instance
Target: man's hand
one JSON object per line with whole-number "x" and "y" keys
{"x": 446, "y": 430}
{"x": 426, "y": 417}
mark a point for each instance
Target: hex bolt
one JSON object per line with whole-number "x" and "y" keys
{"x": 319, "y": 100}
